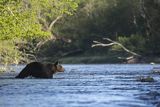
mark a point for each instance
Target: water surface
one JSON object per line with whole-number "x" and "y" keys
{"x": 101, "y": 85}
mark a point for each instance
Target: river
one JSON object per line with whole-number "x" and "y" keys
{"x": 99, "y": 85}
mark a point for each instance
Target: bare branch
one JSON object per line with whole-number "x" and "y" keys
{"x": 53, "y": 22}
{"x": 97, "y": 43}
{"x": 108, "y": 39}
{"x": 102, "y": 44}
{"x": 41, "y": 43}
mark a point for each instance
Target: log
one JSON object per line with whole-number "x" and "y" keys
{"x": 97, "y": 43}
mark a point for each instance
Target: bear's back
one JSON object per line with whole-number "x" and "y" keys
{"x": 39, "y": 70}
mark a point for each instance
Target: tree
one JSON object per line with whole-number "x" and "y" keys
{"x": 96, "y": 19}
{"x": 23, "y": 21}
{"x": 150, "y": 11}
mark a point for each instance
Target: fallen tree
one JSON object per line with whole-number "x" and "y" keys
{"x": 135, "y": 57}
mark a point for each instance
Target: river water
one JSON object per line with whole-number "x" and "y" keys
{"x": 100, "y": 85}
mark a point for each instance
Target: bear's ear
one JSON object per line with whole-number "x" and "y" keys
{"x": 56, "y": 63}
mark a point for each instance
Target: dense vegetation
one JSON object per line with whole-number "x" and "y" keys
{"x": 51, "y": 29}
{"x": 24, "y": 24}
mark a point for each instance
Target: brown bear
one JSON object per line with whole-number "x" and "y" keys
{"x": 40, "y": 70}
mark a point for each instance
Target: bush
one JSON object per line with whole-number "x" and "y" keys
{"x": 9, "y": 53}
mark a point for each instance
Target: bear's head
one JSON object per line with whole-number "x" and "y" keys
{"x": 59, "y": 68}
{"x": 56, "y": 67}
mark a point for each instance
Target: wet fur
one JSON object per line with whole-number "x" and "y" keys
{"x": 38, "y": 70}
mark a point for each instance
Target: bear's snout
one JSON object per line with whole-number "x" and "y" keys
{"x": 60, "y": 68}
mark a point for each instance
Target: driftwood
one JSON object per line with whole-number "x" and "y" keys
{"x": 97, "y": 43}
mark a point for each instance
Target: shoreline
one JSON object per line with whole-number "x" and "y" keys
{"x": 94, "y": 60}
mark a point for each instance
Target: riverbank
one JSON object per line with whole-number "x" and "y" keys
{"x": 96, "y": 59}
{"x": 90, "y": 60}
{"x": 104, "y": 59}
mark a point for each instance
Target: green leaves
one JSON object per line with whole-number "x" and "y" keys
{"x": 21, "y": 19}
{"x": 16, "y": 22}
{"x": 135, "y": 43}
{"x": 9, "y": 52}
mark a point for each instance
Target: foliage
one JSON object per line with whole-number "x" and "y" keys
{"x": 9, "y": 53}
{"x": 152, "y": 23}
{"x": 96, "y": 19}
{"x": 135, "y": 43}
{"x": 22, "y": 20}
{"x": 134, "y": 23}
{"x": 18, "y": 22}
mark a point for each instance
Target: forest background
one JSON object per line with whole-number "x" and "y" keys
{"x": 49, "y": 30}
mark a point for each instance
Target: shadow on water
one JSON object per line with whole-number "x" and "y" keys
{"x": 83, "y": 85}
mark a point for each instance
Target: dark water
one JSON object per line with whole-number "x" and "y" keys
{"x": 83, "y": 86}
